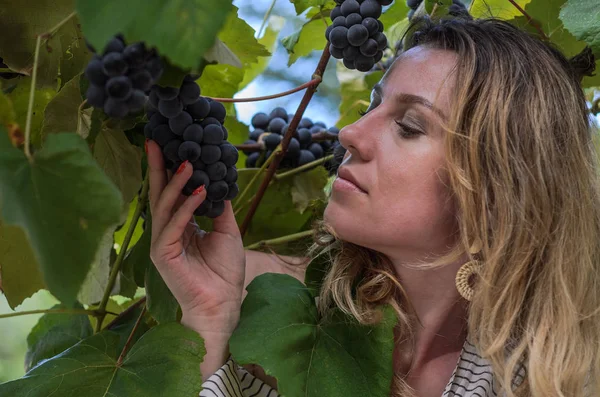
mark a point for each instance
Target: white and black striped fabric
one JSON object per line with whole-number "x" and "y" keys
{"x": 472, "y": 377}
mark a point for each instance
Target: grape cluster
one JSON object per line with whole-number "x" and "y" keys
{"x": 456, "y": 9}
{"x": 190, "y": 127}
{"x": 121, "y": 77}
{"x": 270, "y": 128}
{"x": 356, "y": 35}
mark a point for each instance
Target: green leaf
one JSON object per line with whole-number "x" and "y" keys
{"x": 221, "y": 81}
{"x": 164, "y": 362}
{"x": 19, "y": 270}
{"x": 394, "y": 14}
{"x": 20, "y": 100}
{"x": 269, "y": 41}
{"x": 582, "y": 19}
{"x": 55, "y": 333}
{"x": 309, "y": 38}
{"x": 124, "y": 324}
{"x": 303, "y": 5}
{"x": 316, "y": 272}
{"x": 120, "y": 160}
{"x": 239, "y": 38}
{"x": 172, "y": 75}
{"x": 45, "y": 199}
{"x": 308, "y": 187}
{"x": 7, "y": 113}
{"x": 355, "y": 90}
{"x": 61, "y": 114}
{"x": 501, "y": 9}
{"x": 181, "y": 30}
{"x": 280, "y": 330}
{"x": 138, "y": 258}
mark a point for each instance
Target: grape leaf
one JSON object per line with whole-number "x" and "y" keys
{"x": 500, "y": 9}
{"x": 239, "y": 38}
{"x": 44, "y": 198}
{"x": 308, "y": 186}
{"x": 138, "y": 258}
{"x": 55, "y": 333}
{"x": 181, "y": 30}
{"x": 164, "y": 361}
{"x": 161, "y": 303}
{"x": 395, "y": 13}
{"x": 355, "y": 90}
{"x": 280, "y": 330}
{"x": 303, "y": 5}
{"x": 310, "y": 37}
{"x": 582, "y": 19}
{"x": 269, "y": 41}
{"x": 61, "y": 114}
{"x": 7, "y": 113}
{"x": 221, "y": 81}
{"x": 120, "y": 160}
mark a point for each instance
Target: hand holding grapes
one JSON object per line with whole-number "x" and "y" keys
{"x": 204, "y": 271}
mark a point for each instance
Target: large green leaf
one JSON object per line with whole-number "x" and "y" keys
{"x": 280, "y": 330}
{"x": 138, "y": 258}
{"x": 310, "y": 37}
{"x": 303, "y": 5}
{"x": 501, "y": 9}
{"x": 239, "y": 37}
{"x": 582, "y": 18}
{"x": 306, "y": 190}
{"x": 61, "y": 114}
{"x": 269, "y": 41}
{"x": 44, "y": 197}
{"x": 221, "y": 81}
{"x": 180, "y": 30}
{"x": 164, "y": 362}
{"x": 55, "y": 333}
{"x": 161, "y": 303}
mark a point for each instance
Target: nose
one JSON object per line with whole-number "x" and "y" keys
{"x": 357, "y": 139}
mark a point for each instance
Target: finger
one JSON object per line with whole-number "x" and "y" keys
{"x": 157, "y": 177}
{"x": 226, "y": 223}
{"x": 176, "y": 226}
{"x": 164, "y": 208}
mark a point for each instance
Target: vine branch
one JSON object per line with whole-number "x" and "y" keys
{"x": 130, "y": 339}
{"x": 114, "y": 273}
{"x": 286, "y": 139}
{"x": 530, "y": 20}
{"x": 95, "y": 313}
{"x": 280, "y": 240}
{"x": 257, "y": 147}
{"x": 314, "y": 82}
{"x": 304, "y": 167}
{"x": 125, "y": 312}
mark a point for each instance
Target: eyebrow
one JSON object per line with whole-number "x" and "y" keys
{"x": 410, "y": 98}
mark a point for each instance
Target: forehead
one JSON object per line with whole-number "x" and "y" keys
{"x": 422, "y": 71}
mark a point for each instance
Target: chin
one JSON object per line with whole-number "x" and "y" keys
{"x": 347, "y": 224}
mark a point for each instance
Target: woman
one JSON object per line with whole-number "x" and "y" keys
{"x": 468, "y": 199}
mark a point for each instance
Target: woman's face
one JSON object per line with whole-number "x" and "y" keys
{"x": 396, "y": 157}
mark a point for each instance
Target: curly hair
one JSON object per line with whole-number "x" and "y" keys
{"x": 521, "y": 158}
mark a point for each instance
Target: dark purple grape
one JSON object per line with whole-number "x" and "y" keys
{"x": 94, "y": 72}
{"x": 251, "y": 160}
{"x": 114, "y": 45}
{"x": 171, "y": 150}
{"x": 371, "y": 25}
{"x": 225, "y": 133}
{"x": 148, "y": 131}
{"x": 203, "y": 208}
{"x": 157, "y": 120}
{"x": 278, "y": 112}
{"x": 413, "y": 3}
{"x": 170, "y": 108}
{"x": 316, "y": 129}
{"x": 199, "y": 109}
{"x": 213, "y": 134}
{"x": 305, "y": 123}
{"x": 189, "y": 93}
{"x": 249, "y": 142}
{"x": 385, "y": 2}
{"x": 333, "y": 130}
{"x": 136, "y": 101}
{"x": 272, "y": 140}
{"x": 293, "y": 149}
{"x": 381, "y": 27}
{"x": 233, "y": 191}
{"x": 381, "y": 41}
{"x": 193, "y": 132}
{"x": 95, "y": 95}
{"x": 113, "y": 64}
{"x": 141, "y": 79}
{"x": 339, "y": 36}
{"x": 328, "y": 31}
{"x": 216, "y": 171}
{"x": 276, "y": 125}
{"x": 351, "y": 52}
{"x": 357, "y": 35}
{"x": 210, "y": 120}
{"x": 364, "y": 63}
{"x": 304, "y": 137}
{"x": 166, "y": 93}
{"x": 370, "y": 8}
{"x": 153, "y": 99}
{"x": 199, "y": 165}
{"x": 349, "y": 64}
{"x": 305, "y": 157}
{"x": 210, "y": 154}
{"x": 119, "y": 87}
{"x": 254, "y": 135}
{"x": 335, "y": 52}
{"x": 349, "y": 7}
{"x": 180, "y": 122}
{"x": 339, "y": 21}
{"x": 163, "y": 134}
{"x": 316, "y": 150}
{"x": 229, "y": 154}
{"x": 232, "y": 175}
{"x": 217, "y": 110}
{"x": 321, "y": 124}
{"x": 260, "y": 120}
{"x": 378, "y": 56}
{"x": 217, "y": 209}
{"x": 198, "y": 178}
{"x": 155, "y": 67}
{"x": 115, "y": 108}
{"x": 353, "y": 19}
{"x": 369, "y": 48}
{"x": 336, "y": 12}
{"x": 134, "y": 54}
{"x": 189, "y": 150}
{"x": 217, "y": 191}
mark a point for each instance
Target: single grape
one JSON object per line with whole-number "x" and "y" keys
{"x": 260, "y": 120}
{"x": 113, "y": 64}
{"x": 233, "y": 191}
{"x": 217, "y": 209}
{"x": 210, "y": 120}
{"x": 305, "y": 123}
{"x": 189, "y": 93}
{"x": 272, "y": 140}
{"x": 157, "y": 120}
{"x": 213, "y": 134}
{"x": 413, "y": 3}
{"x": 276, "y": 125}
{"x": 293, "y": 149}
{"x": 254, "y": 135}
{"x": 321, "y": 124}
{"x": 163, "y": 134}
{"x": 336, "y": 12}
{"x": 381, "y": 41}
{"x": 189, "y": 150}
{"x": 369, "y": 48}
{"x": 328, "y": 31}
{"x": 180, "y": 122}
{"x": 217, "y": 191}
{"x": 339, "y": 36}
{"x": 371, "y": 25}
{"x": 199, "y": 109}
{"x": 351, "y": 52}
{"x": 199, "y": 165}
{"x": 364, "y": 63}
{"x": 198, "y": 178}
{"x": 304, "y": 137}
{"x": 333, "y": 130}
{"x": 335, "y": 52}
{"x": 171, "y": 150}
{"x": 114, "y": 45}
{"x": 370, "y": 8}
{"x": 134, "y": 55}
{"x": 136, "y": 101}
{"x": 119, "y": 87}
{"x": 115, "y": 108}
{"x": 203, "y": 208}
{"x": 381, "y": 27}
{"x": 278, "y": 112}
{"x": 353, "y": 19}
{"x": 349, "y": 7}
{"x": 251, "y": 159}
{"x": 229, "y": 154}
{"x": 378, "y": 56}
{"x": 95, "y": 95}
{"x": 232, "y": 175}
{"x": 193, "y": 132}
{"x": 349, "y": 64}
{"x": 216, "y": 171}
{"x": 316, "y": 150}
{"x": 153, "y": 99}
{"x": 166, "y": 93}
{"x": 210, "y": 153}
{"x": 249, "y": 142}
{"x": 325, "y": 145}
{"x": 170, "y": 108}
{"x": 357, "y": 35}
{"x": 339, "y": 21}
{"x": 94, "y": 72}
{"x": 305, "y": 157}
{"x": 141, "y": 79}
{"x": 225, "y": 133}
{"x": 217, "y": 110}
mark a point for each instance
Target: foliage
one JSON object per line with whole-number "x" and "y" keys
{"x": 70, "y": 206}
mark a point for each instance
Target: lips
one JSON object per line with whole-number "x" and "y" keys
{"x": 347, "y": 175}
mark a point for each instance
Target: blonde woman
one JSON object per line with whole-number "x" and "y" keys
{"x": 468, "y": 199}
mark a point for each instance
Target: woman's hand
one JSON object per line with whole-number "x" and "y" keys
{"x": 204, "y": 271}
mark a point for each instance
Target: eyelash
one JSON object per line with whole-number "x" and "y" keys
{"x": 405, "y": 130}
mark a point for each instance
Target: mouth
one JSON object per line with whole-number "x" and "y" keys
{"x": 346, "y": 181}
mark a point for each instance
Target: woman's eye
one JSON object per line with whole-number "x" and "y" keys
{"x": 408, "y": 131}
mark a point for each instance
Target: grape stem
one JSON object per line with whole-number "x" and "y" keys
{"x": 314, "y": 82}
{"x": 258, "y": 147}
{"x": 130, "y": 338}
{"x": 131, "y": 308}
{"x": 90, "y": 312}
{"x": 530, "y": 20}
{"x": 114, "y": 272}
{"x": 304, "y": 167}
{"x": 286, "y": 139}
{"x": 279, "y": 240}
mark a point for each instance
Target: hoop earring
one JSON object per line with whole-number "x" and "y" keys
{"x": 467, "y": 271}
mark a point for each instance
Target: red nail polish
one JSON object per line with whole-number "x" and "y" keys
{"x": 198, "y": 190}
{"x": 146, "y": 145}
{"x": 182, "y": 167}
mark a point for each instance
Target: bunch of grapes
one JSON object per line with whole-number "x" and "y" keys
{"x": 457, "y": 9}
{"x": 190, "y": 127}
{"x": 121, "y": 77}
{"x": 271, "y": 128}
{"x": 356, "y": 35}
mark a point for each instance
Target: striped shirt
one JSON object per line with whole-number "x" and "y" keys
{"x": 472, "y": 377}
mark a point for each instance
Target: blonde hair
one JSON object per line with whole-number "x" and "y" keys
{"x": 523, "y": 175}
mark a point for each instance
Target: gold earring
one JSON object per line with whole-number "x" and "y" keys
{"x": 463, "y": 278}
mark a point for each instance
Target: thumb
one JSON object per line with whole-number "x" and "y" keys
{"x": 226, "y": 223}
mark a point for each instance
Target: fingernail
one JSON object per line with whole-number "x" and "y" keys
{"x": 146, "y": 145}
{"x": 198, "y": 190}
{"x": 182, "y": 167}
